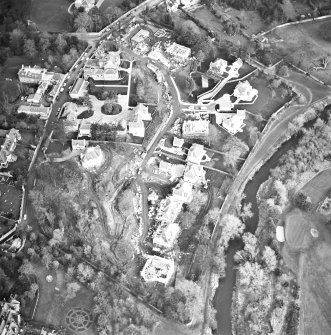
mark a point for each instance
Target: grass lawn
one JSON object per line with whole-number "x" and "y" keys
{"x": 304, "y": 46}
{"x": 110, "y": 3}
{"x": 10, "y": 200}
{"x": 318, "y": 187}
{"x": 49, "y": 15}
{"x": 298, "y": 230}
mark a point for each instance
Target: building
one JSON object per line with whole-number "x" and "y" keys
{"x": 79, "y": 89}
{"x": 224, "y": 103}
{"x": 182, "y": 193}
{"x": 10, "y": 318}
{"x": 142, "y": 111}
{"x": 194, "y": 174}
{"x": 158, "y": 269}
{"x": 157, "y": 54}
{"x": 245, "y": 92}
{"x": 104, "y": 68}
{"x": 179, "y": 52}
{"x": 166, "y": 235}
{"x": 41, "y": 111}
{"x": 234, "y": 68}
{"x": 197, "y": 154}
{"x": 218, "y": 67}
{"x": 84, "y": 129}
{"x": 178, "y": 142}
{"x": 86, "y": 4}
{"x": 169, "y": 209}
{"x": 195, "y": 128}
{"x": 174, "y": 171}
{"x": 8, "y": 147}
{"x": 70, "y": 111}
{"x": 137, "y": 127}
{"x": 140, "y": 36}
{"x": 234, "y": 123}
{"x": 31, "y": 75}
{"x": 172, "y": 5}
{"x": 78, "y": 144}
{"x": 93, "y": 158}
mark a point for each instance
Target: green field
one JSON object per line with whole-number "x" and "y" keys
{"x": 50, "y": 15}
{"x": 297, "y": 230}
{"x": 318, "y": 187}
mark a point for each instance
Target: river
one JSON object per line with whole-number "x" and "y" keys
{"x": 223, "y": 295}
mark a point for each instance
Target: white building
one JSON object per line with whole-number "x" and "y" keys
{"x": 8, "y": 147}
{"x": 182, "y": 193}
{"x": 157, "y": 54}
{"x": 158, "y": 269}
{"x": 179, "y": 53}
{"x": 31, "y": 75}
{"x": 218, "y": 67}
{"x": 224, "y": 103}
{"x": 178, "y": 142}
{"x": 166, "y": 235}
{"x": 137, "y": 127}
{"x": 86, "y": 4}
{"x": 140, "y": 36}
{"x": 174, "y": 171}
{"x": 84, "y": 129}
{"x": 234, "y": 123}
{"x": 195, "y": 174}
{"x": 41, "y": 111}
{"x": 93, "y": 158}
{"x": 244, "y": 91}
{"x": 141, "y": 110}
{"x": 195, "y": 128}
{"x": 78, "y": 144}
{"x": 79, "y": 89}
{"x": 197, "y": 154}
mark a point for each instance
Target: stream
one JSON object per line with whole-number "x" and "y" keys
{"x": 223, "y": 295}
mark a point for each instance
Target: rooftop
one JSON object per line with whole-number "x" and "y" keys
{"x": 158, "y": 269}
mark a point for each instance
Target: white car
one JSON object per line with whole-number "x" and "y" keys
{"x": 62, "y": 89}
{"x": 25, "y": 217}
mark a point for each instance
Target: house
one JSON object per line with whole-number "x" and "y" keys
{"x": 174, "y": 171}
{"x": 142, "y": 111}
{"x": 105, "y": 67}
{"x": 70, "y": 111}
{"x": 169, "y": 210}
{"x": 34, "y": 98}
{"x": 182, "y": 193}
{"x": 244, "y": 91}
{"x": 194, "y": 174}
{"x": 31, "y": 75}
{"x": 195, "y": 128}
{"x": 158, "y": 269}
{"x": 172, "y": 5}
{"x": 178, "y": 142}
{"x": 224, "y": 103}
{"x": 137, "y": 128}
{"x": 84, "y": 129}
{"x": 8, "y": 148}
{"x": 233, "y": 72}
{"x": 78, "y": 144}
{"x": 218, "y": 67}
{"x": 140, "y": 36}
{"x": 197, "y": 154}
{"x": 93, "y": 158}
{"x": 86, "y": 4}
{"x": 10, "y": 319}
{"x": 41, "y": 111}
{"x": 79, "y": 89}
{"x": 157, "y": 54}
{"x": 179, "y": 52}
{"x": 166, "y": 235}
{"x": 235, "y": 123}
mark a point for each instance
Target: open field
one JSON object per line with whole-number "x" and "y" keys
{"x": 304, "y": 46}
{"x": 297, "y": 230}
{"x": 51, "y": 16}
{"x": 318, "y": 187}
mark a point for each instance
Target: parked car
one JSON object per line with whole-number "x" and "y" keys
{"x": 25, "y": 217}
{"x": 61, "y": 89}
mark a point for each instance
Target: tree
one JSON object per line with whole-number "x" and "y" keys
{"x": 303, "y": 201}
{"x": 16, "y": 41}
{"x": 71, "y": 291}
{"x": 34, "y": 287}
{"x": 269, "y": 258}
{"x": 254, "y": 135}
{"x": 26, "y": 268}
{"x": 246, "y": 211}
{"x": 284, "y": 71}
{"x": 84, "y": 21}
{"x": 232, "y": 227}
{"x": 233, "y": 148}
{"x": 30, "y": 48}
{"x": 198, "y": 201}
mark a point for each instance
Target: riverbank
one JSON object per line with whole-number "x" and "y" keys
{"x": 223, "y": 294}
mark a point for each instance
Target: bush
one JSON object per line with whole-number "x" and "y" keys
{"x": 110, "y": 108}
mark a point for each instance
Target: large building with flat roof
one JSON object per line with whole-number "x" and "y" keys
{"x": 41, "y": 111}
{"x": 158, "y": 269}
{"x": 79, "y": 89}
